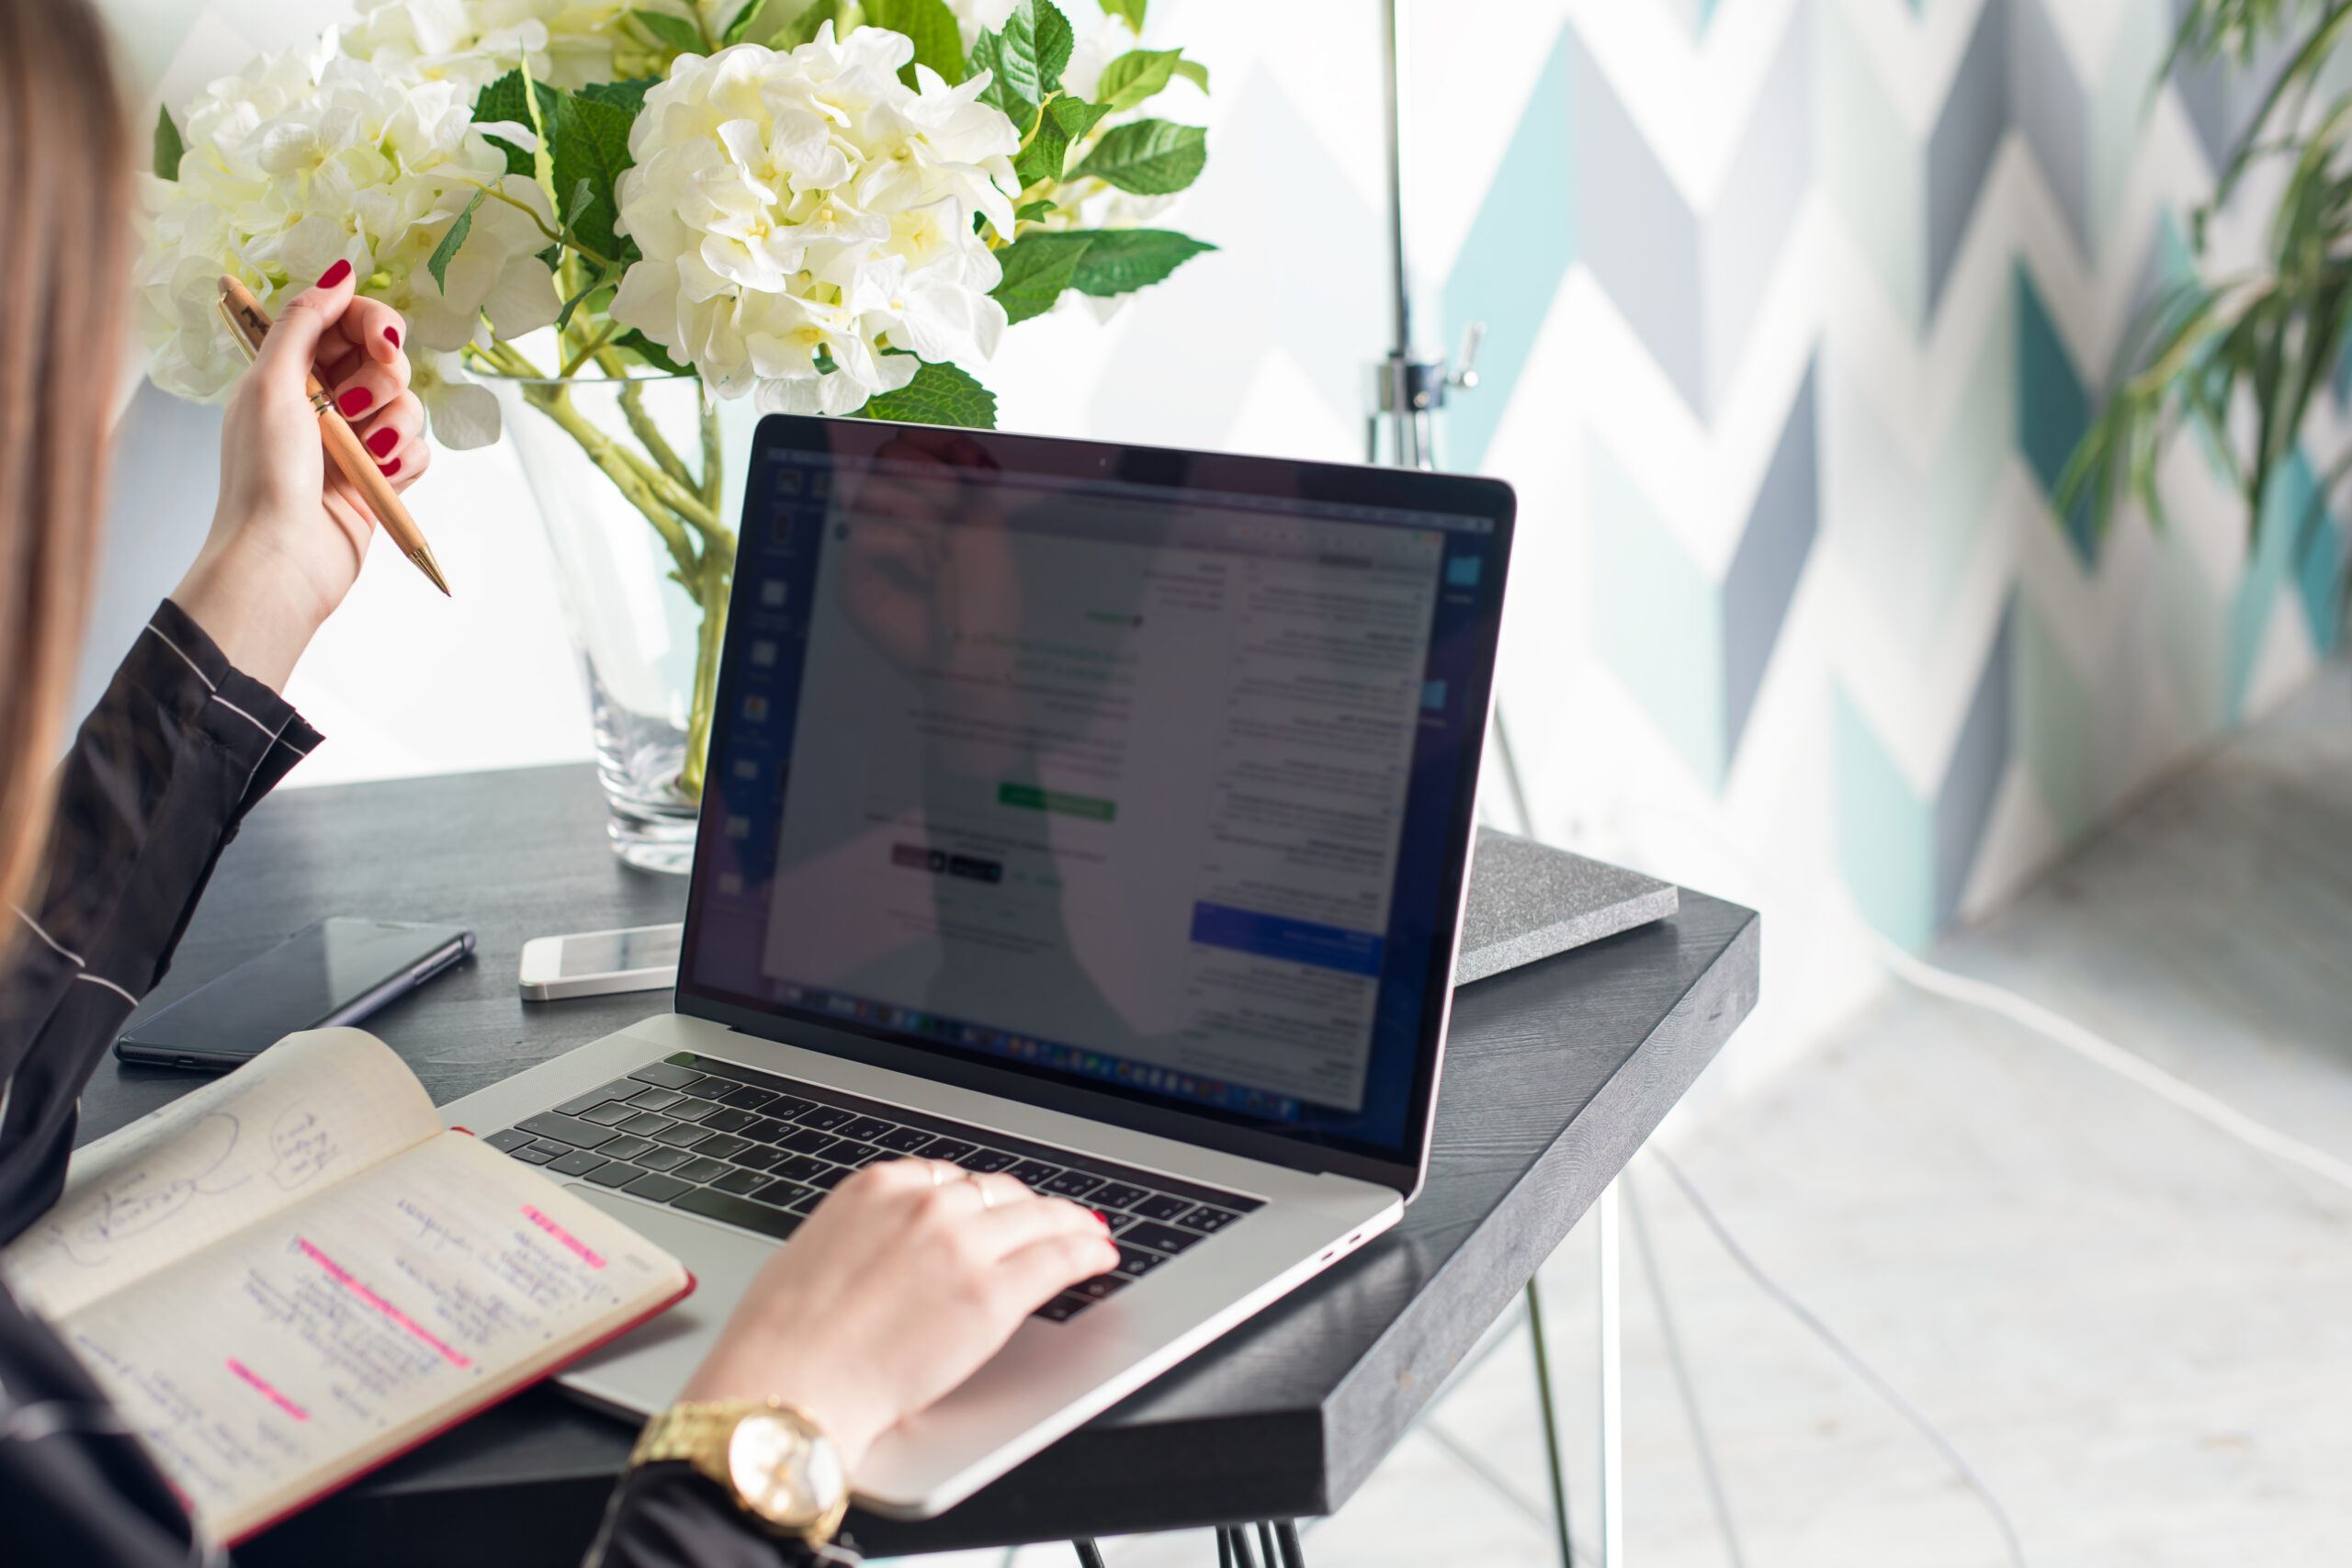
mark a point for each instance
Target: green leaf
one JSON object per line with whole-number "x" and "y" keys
{"x": 988, "y": 56}
{"x": 652, "y": 352}
{"x": 1137, "y": 75}
{"x": 745, "y": 19}
{"x": 1149, "y": 157}
{"x": 628, "y": 95}
{"x": 1195, "y": 73}
{"x": 437, "y": 263}
{"x": 1033, "y": 210}
{"x": 1064, "y": 121}
{"x": 1121, "y": 260}
{"x": 169, "y": 148}
{"x": 803, "y": 27}
{"x": 1037, "y": 267}
{"x": 1031, "y": 50}
{"x": 590, "y": 138}
{"x": 581, "y": 194}
{"x": 673, "y": 32}
{"x": 610, "y": 275}
{"x": 502, "y": 101}
{"x": 1128, "y": 11}
{"x": 931, "y": 25}
{"x": 940, "y": 394}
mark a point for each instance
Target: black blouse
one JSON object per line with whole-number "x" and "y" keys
{"x": 164, "y": 769}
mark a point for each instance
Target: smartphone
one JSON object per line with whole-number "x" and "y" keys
{"x": 595, "y": 964}
{"x": 338, "y": 971}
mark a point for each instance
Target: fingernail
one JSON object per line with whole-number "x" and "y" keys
{"x": 393, "y": 335}
{"x": 380, "y": 445}
{"x": 390, "y": 469}
{"x": 357, "y": 401}
{"x": 1101, "y": 1218}
{"x": 333, "y": 278}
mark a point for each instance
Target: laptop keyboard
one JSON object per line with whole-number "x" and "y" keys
{"x": 758, "y": 1152}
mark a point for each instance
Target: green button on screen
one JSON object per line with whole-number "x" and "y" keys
{"x": 1029, "y": 797}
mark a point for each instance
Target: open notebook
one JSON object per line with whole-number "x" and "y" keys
{"x": 293, "y": 1274}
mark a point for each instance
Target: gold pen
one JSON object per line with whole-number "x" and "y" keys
{"x": 248, "y": 324}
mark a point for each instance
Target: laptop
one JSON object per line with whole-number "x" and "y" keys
{"x": 1096, "y": 813}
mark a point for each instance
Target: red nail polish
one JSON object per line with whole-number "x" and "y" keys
{"x": 357, "y": 401}
{"x": 393, "y": 335}
{"x": 333, "y": 276}
{"x": 391, "y": 467}
{"x": 380, "y": 445}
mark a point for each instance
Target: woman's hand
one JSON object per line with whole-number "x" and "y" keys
{"x": 897, "y": 1288}
{"x": 291, "y": 531}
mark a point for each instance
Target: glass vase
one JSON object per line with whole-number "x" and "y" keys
{"x": 638, "y": 483}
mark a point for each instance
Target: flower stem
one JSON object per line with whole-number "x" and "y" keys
{"x": 683, "y": 509}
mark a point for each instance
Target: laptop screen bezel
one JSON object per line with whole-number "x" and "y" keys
{"x": 1177, "y": 471}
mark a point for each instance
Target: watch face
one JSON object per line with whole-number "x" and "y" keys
{"x": 782, "y": 1474}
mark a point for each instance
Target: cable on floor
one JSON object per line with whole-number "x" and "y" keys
{"x": 1854, "y": 1362}
{"x": 2127, "y": 1064}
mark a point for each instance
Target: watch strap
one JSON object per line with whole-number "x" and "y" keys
{"x": 700, "y": 1433}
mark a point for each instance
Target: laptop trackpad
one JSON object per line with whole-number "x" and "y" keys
{"x": 645, "y": 1368}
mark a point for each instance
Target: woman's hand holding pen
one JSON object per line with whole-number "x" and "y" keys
{"x": 289, "y": 531}
{"x": 900, "y": 1285}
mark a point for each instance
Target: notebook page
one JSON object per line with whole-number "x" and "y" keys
{"x": 322, "y": 1340}
{"x": 312, "y": 1109}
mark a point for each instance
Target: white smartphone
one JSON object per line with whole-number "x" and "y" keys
{"x": 594, "y": 963}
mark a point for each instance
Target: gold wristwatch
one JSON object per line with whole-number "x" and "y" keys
{"x": 776, "y": 1463}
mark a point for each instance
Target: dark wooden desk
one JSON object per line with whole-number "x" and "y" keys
{"x": 1554, "y": 1076}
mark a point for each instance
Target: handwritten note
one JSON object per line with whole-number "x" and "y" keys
{"x": 308, "y": 1112}
{"x": 339, "y": 1329}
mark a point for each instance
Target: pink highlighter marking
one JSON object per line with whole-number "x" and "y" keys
{"x": 400, "y": 1319}
{"x": 565, "y": 1236}
{"x": 261, "y": 1385}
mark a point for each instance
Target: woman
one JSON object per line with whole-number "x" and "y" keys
{"x": 897, "y": 1288}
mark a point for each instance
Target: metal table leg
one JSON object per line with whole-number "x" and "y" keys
{"x": 1612, "y": 1433}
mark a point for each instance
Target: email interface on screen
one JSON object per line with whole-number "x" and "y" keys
{"x": 1148, "y": 787}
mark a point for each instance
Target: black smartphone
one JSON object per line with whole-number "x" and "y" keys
{"x": 338, "y": 971}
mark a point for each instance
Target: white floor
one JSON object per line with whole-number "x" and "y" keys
{"x": 2138, "y": 1331}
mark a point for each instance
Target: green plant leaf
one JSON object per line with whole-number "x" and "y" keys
{"x": 169, "y": 148}
{"x": 628, "y": 95}
{"x": 1136, "y": 75}
{"x": 1029, "y": 54}
{"x": 1063, "y": 122}
{"x": 672, "y": 32}
{"x": 986, "y": 55}
{"x": 1121, "y": 260}
{"x": 940, "y": 394}
{"x": 590, "y": 138}
{"x": 652, "y": 352}
{"x": 1195, "y": 73}
{"x": 745, "y": 19}
{"x": 803, "y": 27}
{"x": 502, "y": 101}
{"x": 605, "y": 279}
{"x": 1128, "y": 11}
{"x": 1033, "y": 210}
{"x": 437, "y": 263}
{"x": 932, "y": 26}
{"x": 1148, "y": 157}
{"x": 1037, "y": 267}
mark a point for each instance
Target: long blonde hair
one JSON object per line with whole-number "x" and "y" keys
{"x": 64, "y": 189}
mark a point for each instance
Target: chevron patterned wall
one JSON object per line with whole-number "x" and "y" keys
{"x": 1794, "y": 310}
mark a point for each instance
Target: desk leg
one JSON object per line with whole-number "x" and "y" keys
{"x": 1555, "y": 1467}
{"x": 1089, "y": 1554}
{"x": 1612, "y": 1431}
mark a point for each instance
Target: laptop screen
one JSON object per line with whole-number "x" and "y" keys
{"x": 1139, "y": 772}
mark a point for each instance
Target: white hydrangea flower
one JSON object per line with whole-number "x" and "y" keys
{"x": 570, "y": 42}
{"x": 307, "y": 158}
{"x": 801, "y": 214}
